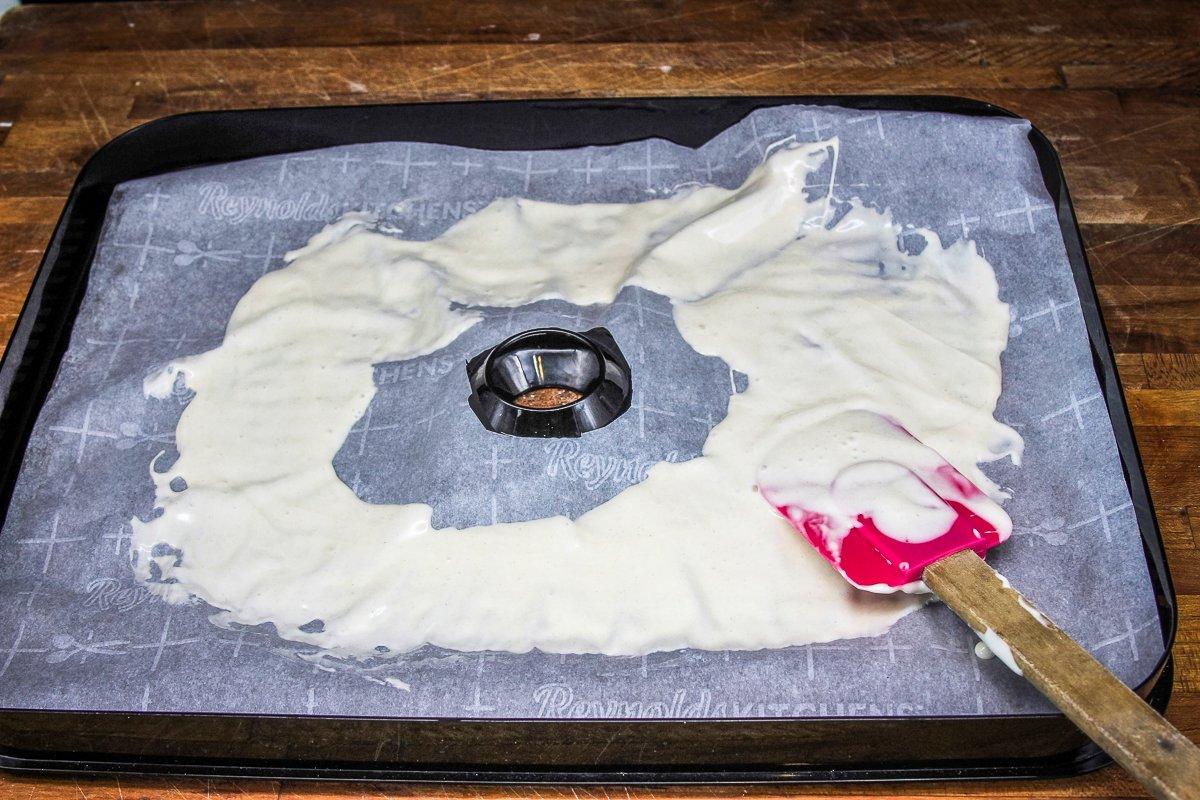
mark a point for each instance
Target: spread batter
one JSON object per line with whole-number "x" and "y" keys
{"x": 822, "y": 317}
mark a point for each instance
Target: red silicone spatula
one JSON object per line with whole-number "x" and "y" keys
{"x": 891, "y": 514}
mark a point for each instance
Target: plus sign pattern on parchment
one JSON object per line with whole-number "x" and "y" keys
{"x": 179, "y": 250}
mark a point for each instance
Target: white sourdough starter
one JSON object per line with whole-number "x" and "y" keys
{"x": 833, "y": 320}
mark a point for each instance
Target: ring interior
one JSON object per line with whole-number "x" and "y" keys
{"x": 544, "y": 359}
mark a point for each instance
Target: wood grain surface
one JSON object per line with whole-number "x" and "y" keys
{"x": 1113, "y": 84}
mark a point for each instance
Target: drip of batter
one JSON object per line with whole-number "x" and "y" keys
{"x": 821, "y": 320}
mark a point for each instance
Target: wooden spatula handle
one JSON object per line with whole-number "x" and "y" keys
{"x": 1112, "y": 715}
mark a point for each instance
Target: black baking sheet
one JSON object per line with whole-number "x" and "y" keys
{"x": 688, "y": 122}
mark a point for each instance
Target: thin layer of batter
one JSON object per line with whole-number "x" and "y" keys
{"x": 839, "y": 318}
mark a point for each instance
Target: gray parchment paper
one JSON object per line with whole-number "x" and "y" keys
{"x": 179, "y": 250}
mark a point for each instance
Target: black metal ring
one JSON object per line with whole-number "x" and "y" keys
{"x": 589, "y": 363}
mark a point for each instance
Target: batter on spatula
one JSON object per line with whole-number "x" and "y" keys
{"x": 877, "y": 503}
{"x": 821, "y": 315}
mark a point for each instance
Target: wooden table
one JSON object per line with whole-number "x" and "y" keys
{"x": 1114, "y": 86}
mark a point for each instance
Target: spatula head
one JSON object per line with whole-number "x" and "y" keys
{"x": 877, "y": 503}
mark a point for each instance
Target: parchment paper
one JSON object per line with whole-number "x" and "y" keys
{"x": 178, "y": 251}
